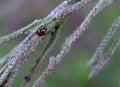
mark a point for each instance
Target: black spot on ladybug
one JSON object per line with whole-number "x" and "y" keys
{"x": 41, "y": 31}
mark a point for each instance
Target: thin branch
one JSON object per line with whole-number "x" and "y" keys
{"x": 107, "y": 56}
{"x": 24, "y": 48}
{"x": 70, "y": 40}
{"x": 64, "y": 11}
{"x": 80, "y": 30}
{"x": 22, "y": 32}
{"x": 49, "y": 69}
{"x": 20, "y": 52}
{"x": 97, "y": 55}
{"x": 40, "y": 61}
{"x": 103, "y": 61}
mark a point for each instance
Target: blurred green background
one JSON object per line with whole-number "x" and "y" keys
{"x": 72, "y": 72}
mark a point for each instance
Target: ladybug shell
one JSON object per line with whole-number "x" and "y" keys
{"x": 41, "y": 31}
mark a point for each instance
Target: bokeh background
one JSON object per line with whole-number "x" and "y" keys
{"x": 72, "y": 72}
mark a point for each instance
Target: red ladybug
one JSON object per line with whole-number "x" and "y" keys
{"x": 41, "y": 31}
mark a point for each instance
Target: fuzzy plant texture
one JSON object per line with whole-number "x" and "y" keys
{"x": 47, "y": 31}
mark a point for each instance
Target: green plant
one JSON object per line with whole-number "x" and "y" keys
{"x": 50, "y": 26}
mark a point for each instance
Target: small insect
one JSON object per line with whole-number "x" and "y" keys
{"x": 41, "y": 31}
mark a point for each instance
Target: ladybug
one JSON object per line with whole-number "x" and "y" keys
{"x": 41, "y": 31}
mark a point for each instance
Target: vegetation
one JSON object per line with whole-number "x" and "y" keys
{"x": 46, "y": 32}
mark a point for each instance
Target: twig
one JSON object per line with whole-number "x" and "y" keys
{"x": 40, "y": 61}
{"x": 49, "y": 69}
{"x": 63, "y": 10}
{"x": 24, "y": 48}
{"x": 71, "y": 39}
{"x": 22, "y": 32}
{"x": 103, "y": 61}
{"x": 97, "y": 55}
